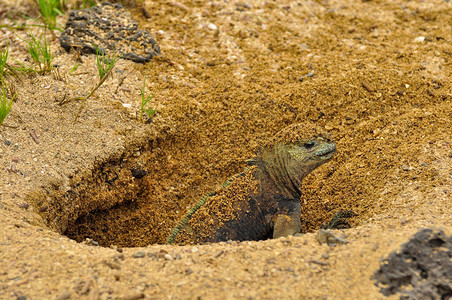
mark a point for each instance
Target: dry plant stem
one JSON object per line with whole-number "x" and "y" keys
{"x": 122, "y": 81}
{"x": 10, "y": 126}
{"x": 47, "y": 27}
{"x": 54, "y": 37}
{"x": 90, "y": 94}
{"x": 34, "y": 136}
{"x": 64, "y": 101}
{"x": 13, "y": 72}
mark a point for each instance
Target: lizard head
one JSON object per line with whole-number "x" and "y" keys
{"x": 313, "y": 151}
{"x": 296, "y": 151}
{"x": 304, "y": 147}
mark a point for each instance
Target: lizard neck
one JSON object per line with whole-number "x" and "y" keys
{"x": 273, "y": 165}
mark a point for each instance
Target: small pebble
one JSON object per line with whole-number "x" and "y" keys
{"x": 419, "y": 39}
{"x": 326, "y": 237}
{"x": 162, "y": 253}
{"x": 375, "y": 246}
{"x": 112, "y": 265}
{"x": 139, "y": 254}
{"x": 212, "y": 26}
{"x": 91, "y": 242}
{"x": 403, "y": 221}
{"x": 405, "y": 168}
{"x": 321, "y": 263}
{"x": 244, "y": 5}
{"x": 134, "y": 296}
{"x": 64, "y": 295}
{"x": 120, "y": 256}
{"x": 24, "y": 205}
{"x": 117, "y": 276}
{"x": 7, "y": 143}
{"x": 218, "y": 254}
{"x": 85, "y": 288}
{"x": 368, "y": 87}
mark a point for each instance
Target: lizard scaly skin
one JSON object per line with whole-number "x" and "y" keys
{"x": 263, "y": 201}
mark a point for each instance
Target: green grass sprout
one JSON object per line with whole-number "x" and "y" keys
{"x": 104, "y": 64}
{"x": 74, "y": 68}
{"x": 50, "y": 9}
{"x": 6, "y": 69}
{"x": 39, "y": 51}
{"x": 104, "y": 67}
{"x": 145, "y": 101}
{"x": 84, "y": 4}
{"x": 3, "y": 58}
{"x": 5, "y": 105}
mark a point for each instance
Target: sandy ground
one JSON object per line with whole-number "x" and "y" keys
{"x": 376, "y": 74}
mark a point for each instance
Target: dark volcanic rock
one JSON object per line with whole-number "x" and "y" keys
{"x": 110, "y": 28}
{"x": 422, "y": 269}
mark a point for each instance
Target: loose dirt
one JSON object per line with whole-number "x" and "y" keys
{"x": 85, "y": 205}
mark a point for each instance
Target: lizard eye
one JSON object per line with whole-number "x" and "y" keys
{"x": 309, "y": 145}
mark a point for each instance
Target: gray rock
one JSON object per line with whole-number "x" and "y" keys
{"x": 111, "y": 29}
{"x": 421, "y": 269}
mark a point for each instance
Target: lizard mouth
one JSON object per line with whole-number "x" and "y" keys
{"x": 326, "y": 152}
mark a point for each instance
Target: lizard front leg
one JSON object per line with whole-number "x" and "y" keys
{"x": 287, "y": 222}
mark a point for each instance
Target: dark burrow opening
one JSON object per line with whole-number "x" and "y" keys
{"x": 136, "y": 198}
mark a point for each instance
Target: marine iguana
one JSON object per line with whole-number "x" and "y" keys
{"x": 264, "y": 200}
